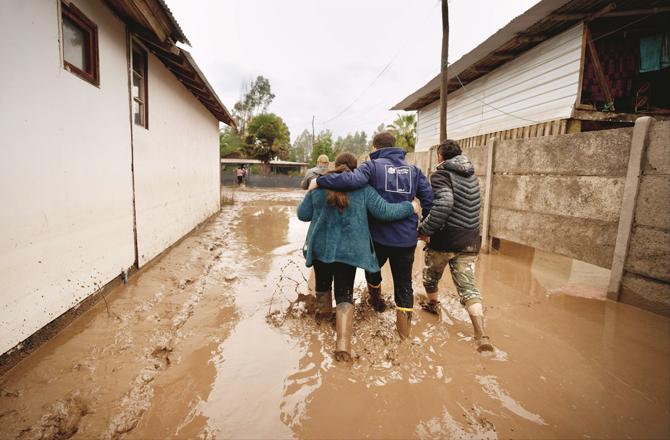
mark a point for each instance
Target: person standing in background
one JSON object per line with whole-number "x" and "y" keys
{"x": 319, "y": 170}
{"x": 240, "y": 172}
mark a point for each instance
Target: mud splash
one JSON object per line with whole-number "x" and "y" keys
{"x": 217, "y": 340}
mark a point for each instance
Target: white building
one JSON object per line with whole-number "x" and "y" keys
{"x": 562, "y": 66}
{"x": 109, "y": 143}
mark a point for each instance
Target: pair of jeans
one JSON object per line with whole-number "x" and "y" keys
{"x": 341, "y": 274}
{"x": 402, "y": 260}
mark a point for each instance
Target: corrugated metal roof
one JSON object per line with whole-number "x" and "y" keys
{"x": 539, "y": 23}
{"x": 177, "y": 28}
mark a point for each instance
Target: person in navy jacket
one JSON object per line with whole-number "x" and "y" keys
{"x": 396, "y": 181}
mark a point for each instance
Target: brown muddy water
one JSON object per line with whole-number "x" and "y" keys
{"x": 210, "y": 342}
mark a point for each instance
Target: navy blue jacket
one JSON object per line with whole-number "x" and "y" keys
{"x": 396, "y": 181}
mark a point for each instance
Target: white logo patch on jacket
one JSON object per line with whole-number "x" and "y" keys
{"x": 398, "y": 179}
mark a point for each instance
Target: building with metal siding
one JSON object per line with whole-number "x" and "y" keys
{"x": 535, "y": 76}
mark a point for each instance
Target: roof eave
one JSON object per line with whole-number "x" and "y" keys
{"x": 512, "y": 30}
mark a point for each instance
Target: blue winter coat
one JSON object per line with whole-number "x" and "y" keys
{"x": 345, "y": 237}
{"x": 396, "y": 181}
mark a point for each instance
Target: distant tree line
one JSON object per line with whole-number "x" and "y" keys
{"x": 262, "y": 135}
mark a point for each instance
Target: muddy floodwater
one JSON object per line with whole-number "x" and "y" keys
{"x": 213, "y": 341}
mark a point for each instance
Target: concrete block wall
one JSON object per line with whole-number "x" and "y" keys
{"x": 564, "y": 194}
{"x": 561, "y": 194}
{"x": 646, "y": 277}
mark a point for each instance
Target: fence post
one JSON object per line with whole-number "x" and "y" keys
{"x": 486, "y": 240}
{"x": 627, "y": 213}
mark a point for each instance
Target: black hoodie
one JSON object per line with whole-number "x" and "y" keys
{"x": 453, "y": 221}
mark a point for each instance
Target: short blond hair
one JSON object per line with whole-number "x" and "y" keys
{"x": 323, "y": 158}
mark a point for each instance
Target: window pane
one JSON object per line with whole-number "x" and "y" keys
{"x": 138, "y": 86}
{"x": 138, "y": 112}
{"x": 75, "y": 45}
{"x": 138, "y": 62}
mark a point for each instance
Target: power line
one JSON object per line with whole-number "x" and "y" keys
{"x": 465, "y": 89}
{"x": 467, "y": 93}
{"x": 379, "y": 75}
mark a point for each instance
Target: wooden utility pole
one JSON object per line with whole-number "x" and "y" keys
{"x": 311, "y": 150}
{"x": 444, "y": 79}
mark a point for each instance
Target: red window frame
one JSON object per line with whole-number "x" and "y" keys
{"x": 92, "y": 74}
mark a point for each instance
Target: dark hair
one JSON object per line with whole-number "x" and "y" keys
{"x": 449, "y": 149}
{"x": 383, "y": 140}
{"x": 344, "y": 162}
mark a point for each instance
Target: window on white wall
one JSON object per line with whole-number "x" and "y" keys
{"x": 139, "y": 89}
{"x": 80, "y": 44}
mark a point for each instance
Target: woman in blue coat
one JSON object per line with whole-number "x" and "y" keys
{"x": 338, "y": 241}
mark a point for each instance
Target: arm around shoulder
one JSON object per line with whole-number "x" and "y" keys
{"x": 356, "y": 179}
{"x": 385, "y": 211}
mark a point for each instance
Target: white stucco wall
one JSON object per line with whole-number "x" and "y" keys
{"x": 66, "y": 220}
{"x": 540, "y": 85}
{"x": 176, "y": 164}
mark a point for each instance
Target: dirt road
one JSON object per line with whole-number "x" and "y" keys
{"x": 209, "y": 342}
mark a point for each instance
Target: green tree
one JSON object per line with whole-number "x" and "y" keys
{"x": 323, "y": 145}
{"x": 301, "y": 150}
{"x": 256, "y": 97}
{"x": 404, "y": 130}
{"x": 229, "y": 141}
{"x": 356, "y": 143}
{"x": 268, "y": 137}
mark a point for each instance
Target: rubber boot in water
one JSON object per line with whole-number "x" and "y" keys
{"x": 403, "y": 323}
{"x": 344, "y": 326}
{"x": 324, "y": 305}
{"x": 482, "y": 340}
{"x": 375, "y": 298}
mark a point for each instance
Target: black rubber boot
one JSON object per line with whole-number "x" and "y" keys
{"x": 375, "y": 298}
{"x": 344, "y": 326}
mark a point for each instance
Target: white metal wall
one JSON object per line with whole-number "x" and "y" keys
{"x": 176, "y": 164}
{"x": 540, "y": 85}
{"x": 66, "y": 220}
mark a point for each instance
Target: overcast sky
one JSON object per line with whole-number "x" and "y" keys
{"x": 320, "y": 56}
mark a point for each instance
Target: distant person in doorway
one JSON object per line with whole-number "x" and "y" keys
{"x": 320, "y": 169}
{"x": 395, "y": 180}
{"x": 338, "y": 241}
{"x": 240, "y": 173}
{"x": 451, "y": 231}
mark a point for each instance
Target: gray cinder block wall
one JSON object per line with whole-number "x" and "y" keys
{"x": 565, "y": 194}
{"x": 646, "y": 271}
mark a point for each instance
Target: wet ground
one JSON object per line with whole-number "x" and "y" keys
{"x": 211, "y": 342}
